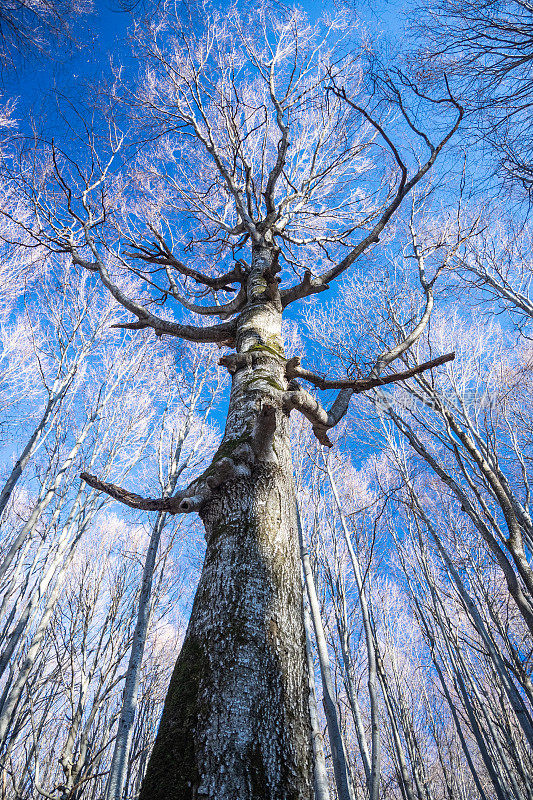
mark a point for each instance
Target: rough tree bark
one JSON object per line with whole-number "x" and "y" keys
{"x": 251, "y": 738}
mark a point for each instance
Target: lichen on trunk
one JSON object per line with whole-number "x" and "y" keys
{"x": 235, "y": 725}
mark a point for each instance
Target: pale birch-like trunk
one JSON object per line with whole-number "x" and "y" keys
{"x": 342, "y": 627}
{"x": 36, "y": 439}
{"x": 431, "y": 639}
{"x": 46, "y": 496}
{"x": 375, "y": 772}
{"x": 320, "y": 771}
{"x": 235, "y": 724}
{"x": 121, "y": 753}
{"x": 35, "y": 644}
{"x": 338, "y": 751}
{"x": 40, "y": 588}
{"x": 117, "y": 773}
{"x": 515, "y": 700}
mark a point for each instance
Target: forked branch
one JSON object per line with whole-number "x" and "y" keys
{"x": 162, "y": 254}
{"x": 312, "y": 284}
{"x": 223, "y": 332}
{"x": 323, "y": 420}
{"x": 311, "y": 408}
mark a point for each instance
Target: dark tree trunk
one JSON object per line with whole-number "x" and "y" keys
{"x": 235, "y": 725}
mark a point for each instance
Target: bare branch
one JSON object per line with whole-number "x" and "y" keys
{"x": 311, "y": 285}
{"x": 224, "y": 311}
{"x": 169, "y": 504}
{"x": 388, "y": 356}
{"x": 164, "y": 256}
{"x": 359, "y": 385}
{"x": 200, "y": 490}
{"x": 215, "y": 333}
{"x": 310, "y": 407}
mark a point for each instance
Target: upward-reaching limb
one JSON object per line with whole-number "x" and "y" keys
{"x": 311, "y": 408}
{"x": 313, "y": 284}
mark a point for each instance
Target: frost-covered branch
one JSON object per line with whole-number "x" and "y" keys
{"x": 312, "y": 285}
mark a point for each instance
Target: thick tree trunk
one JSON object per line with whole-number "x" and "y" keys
{"x": 236, "y": 725}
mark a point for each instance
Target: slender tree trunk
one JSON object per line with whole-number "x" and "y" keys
{"x": 338, "y": 750}
{"x": 375, "y": 773}
{"x": 36, "y": 439}
{"x": 341, "y": 619}
{"x": 522, "y": 600}
{"x": 320, "y": 771}
{"x": 402, "y": 769}
{"x": 513, "y": 695}
{"x": 235, "y": 724}
{"x": 46, "y": 498}
{"x": 34, "y": 649}
{"x": 431, "y": 639}
{"x": 352, "y": 699}
{"x": 117, "y": 773}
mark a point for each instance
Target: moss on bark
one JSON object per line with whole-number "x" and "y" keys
{"x": 172, "y": 772}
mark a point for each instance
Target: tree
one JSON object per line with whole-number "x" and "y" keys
{"x": 29, "y": 27}
{"x": 191, "y": 427}
{"x": 63, "y": 650}
{"x": 460, "y": 447}
{"x": 486, "y": 49}
{"x": 256, "y": 160}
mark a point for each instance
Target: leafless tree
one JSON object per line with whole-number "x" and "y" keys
{"x": 67, "y": 625}
{"x": 486, "y": 49}
{"x": 33, "y": 27}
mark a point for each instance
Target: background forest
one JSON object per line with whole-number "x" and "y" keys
{"x": 416, "y": 533}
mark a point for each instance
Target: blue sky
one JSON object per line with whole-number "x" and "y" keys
{"x": 103, "y": 35}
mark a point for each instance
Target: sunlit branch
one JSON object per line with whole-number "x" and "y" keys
{"x": 501, "y": 287}
{"x": 145, "y": 319}
{"x": 358, "y": 385}
{"x": 390, "y": 355}
{"x": 223, "y": 311}
{"x": 169, "y": 504}
{"x": 283, "y": 146}
{"x": 311, "y": 408}
{"x": 164, "y": 256}
{"x": 200, "y": 490}
{"x": 310, "y": 284}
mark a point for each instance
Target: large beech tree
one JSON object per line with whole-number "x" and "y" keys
{"x": 262, "y": 173}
